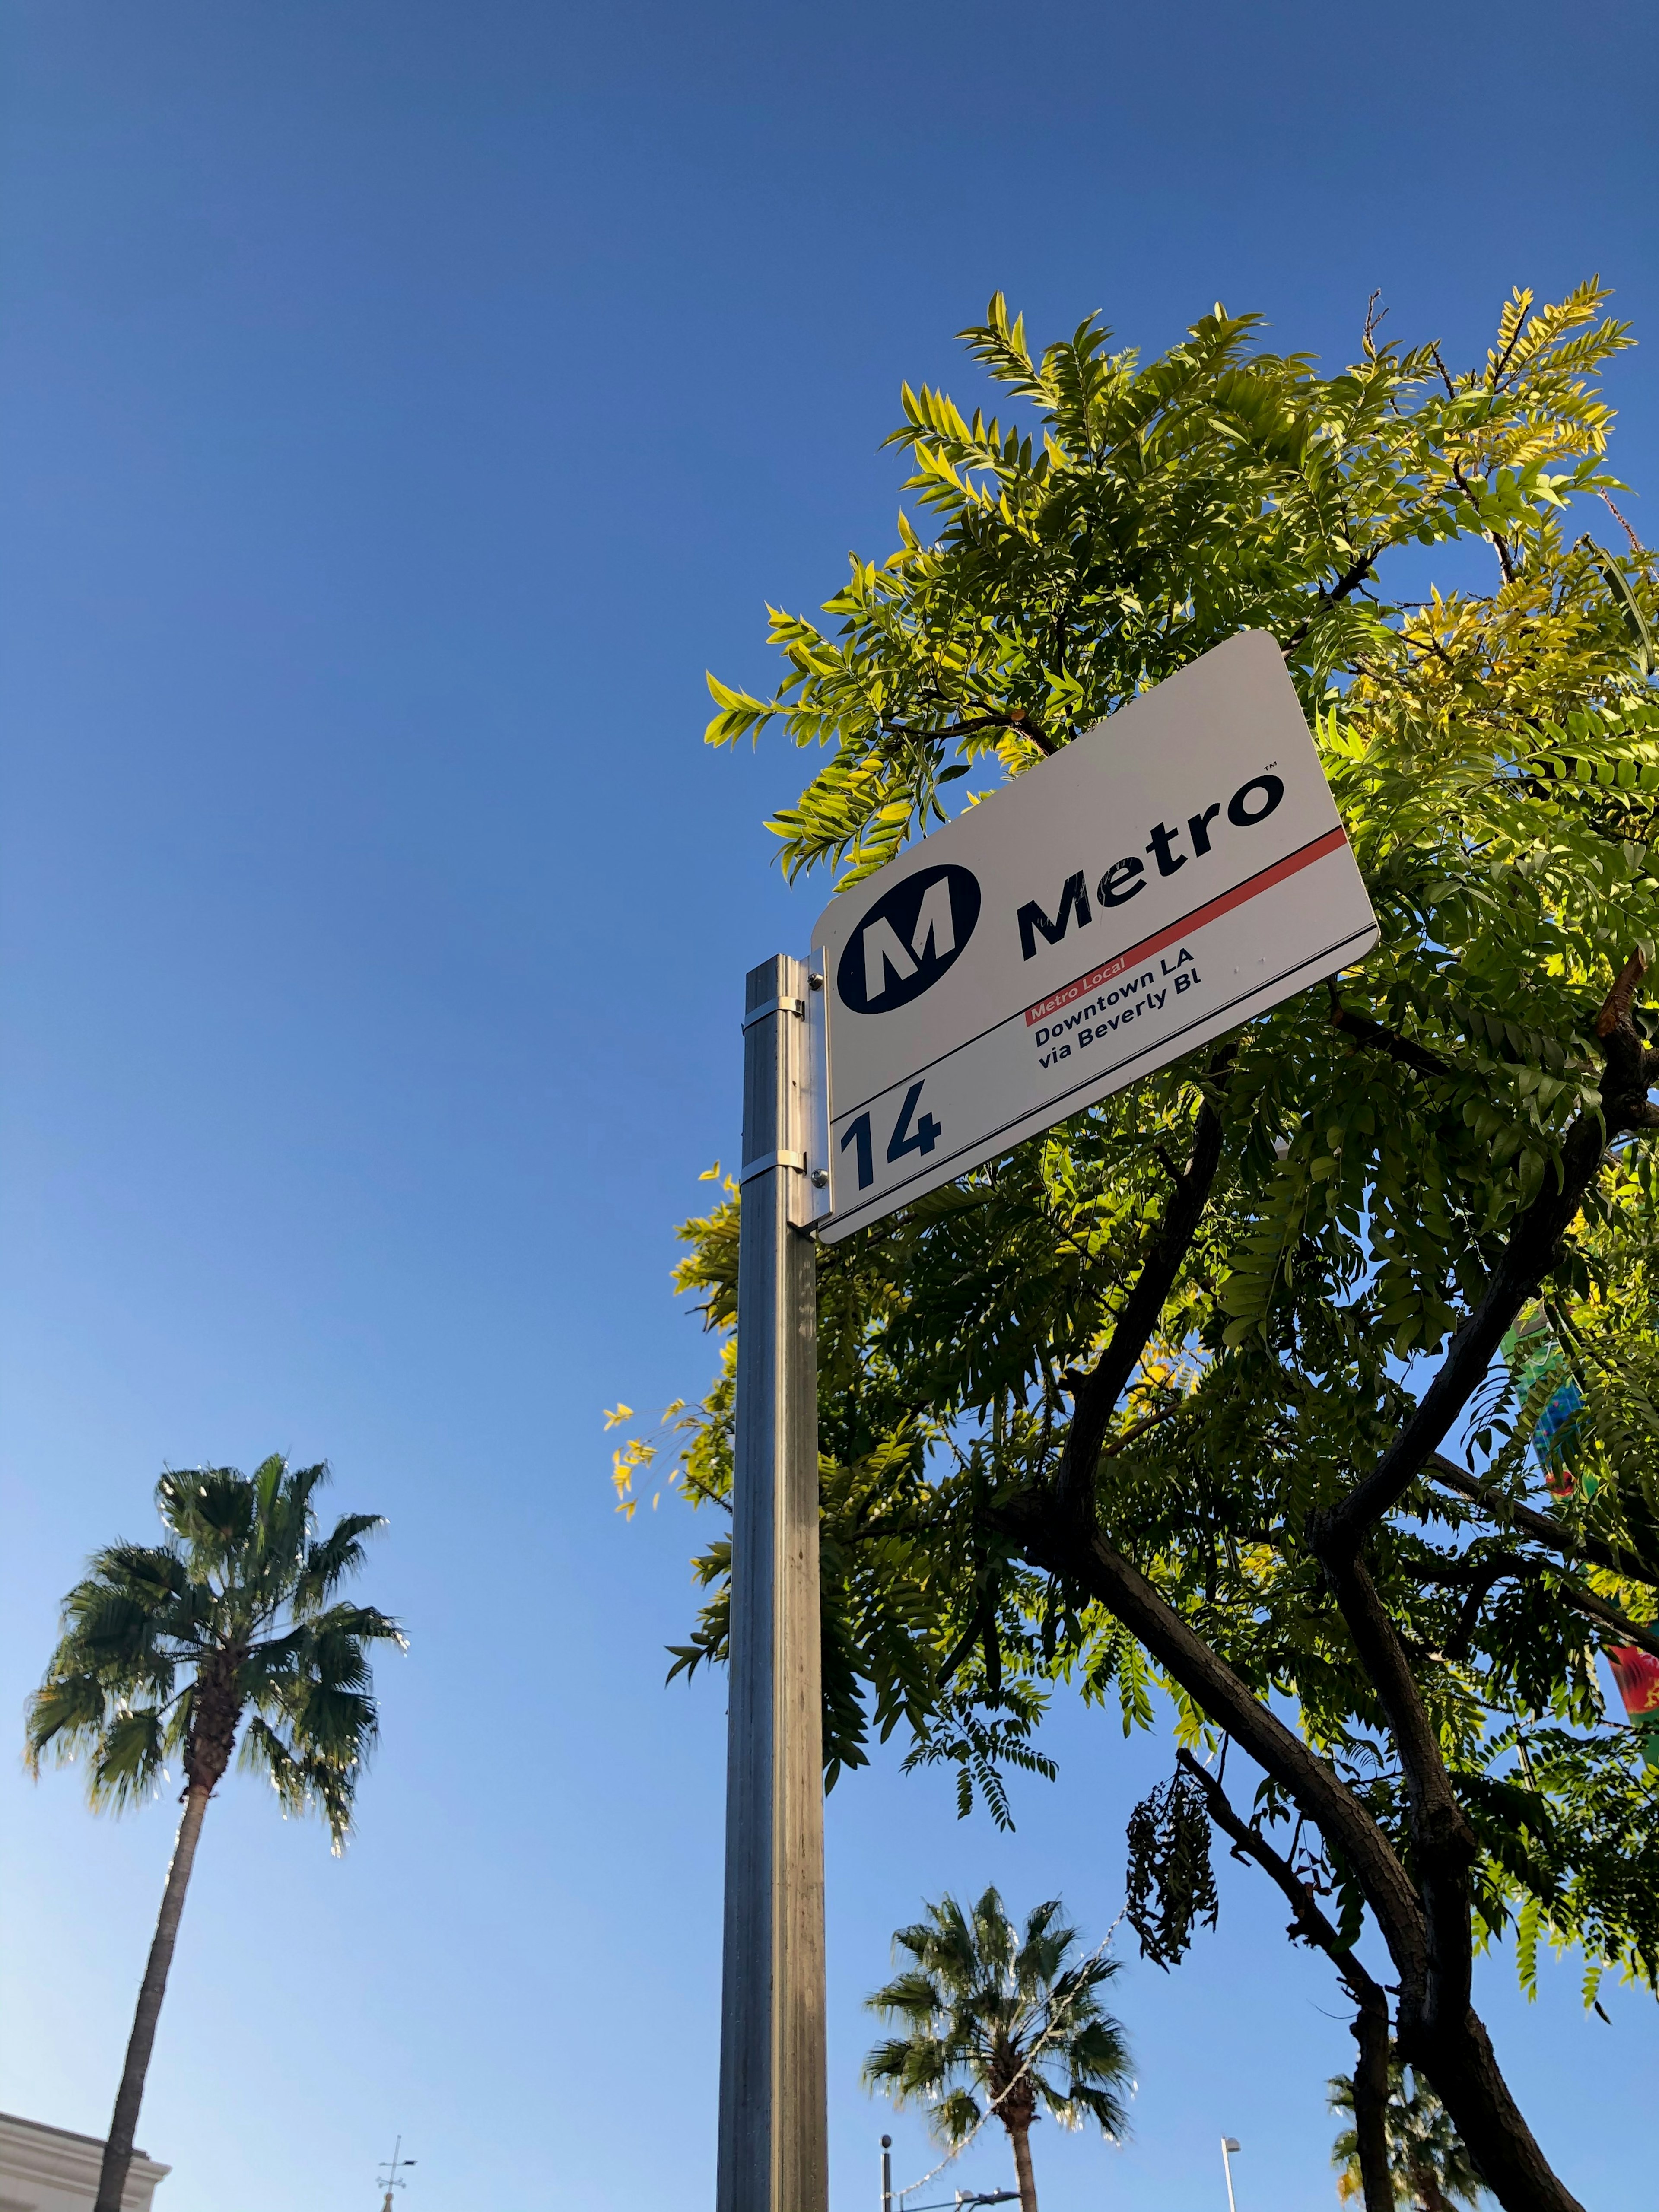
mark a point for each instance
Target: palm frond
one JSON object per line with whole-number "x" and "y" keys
{"x": 985, "y": 2004}
{"x": 233, "y": 1623}
{"x": 126, "y": 1768}
{"x": 339, "y": 1555}
{"x": 64, "y": 1715}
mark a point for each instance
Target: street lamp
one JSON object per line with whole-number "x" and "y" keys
{"x": 1229, "y": 2144}
{"x": 966, "y": 2197}
{"x": 959, "y": 2203}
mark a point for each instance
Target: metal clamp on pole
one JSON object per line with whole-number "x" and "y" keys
{"x": 774, "y": 2149}
{"x": 767, "y": 1160}
{"x": 773, "y": 1007}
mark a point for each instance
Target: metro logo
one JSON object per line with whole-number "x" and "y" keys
{"x": 908, "y": 939}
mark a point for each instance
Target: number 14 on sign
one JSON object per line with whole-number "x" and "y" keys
{"x": 922, "y": 1139}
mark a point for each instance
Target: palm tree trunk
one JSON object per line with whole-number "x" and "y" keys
{"x": 118, "y": 2151}
{"x": 1027, "y": 2179}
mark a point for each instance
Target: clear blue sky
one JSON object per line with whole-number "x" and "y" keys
{"x": 400, "y": 406}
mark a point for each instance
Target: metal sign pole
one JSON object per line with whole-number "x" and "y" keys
{"x": 773, "y": 2151}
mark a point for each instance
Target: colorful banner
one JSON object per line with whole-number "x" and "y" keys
{"x": 1637, "y": 1673}
{"x": 1534, "y": 1354}
{"x": 1534, "y": 1357}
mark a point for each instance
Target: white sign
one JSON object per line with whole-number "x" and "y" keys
{"x": 1172, "y": 872}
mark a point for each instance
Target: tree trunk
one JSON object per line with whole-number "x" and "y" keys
{"x": 1021, "y": 2138}
{"x": 118, "y": 2151}
{"x": 1455, "y": 2052}
{"x": 1459, "y": 2061}
{"x": 1371, "y": 2107}
{"x": 1438, "y": 2028}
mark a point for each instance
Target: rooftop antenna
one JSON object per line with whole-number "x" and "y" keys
{"x": 387, "y": 2179}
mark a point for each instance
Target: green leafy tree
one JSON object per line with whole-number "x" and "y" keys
{"x": 1000, "y": 2022}
{"x": 1201, "y": 1393}
{"x": 233, "y": 1623}
{"x": 1430, "y": 2168}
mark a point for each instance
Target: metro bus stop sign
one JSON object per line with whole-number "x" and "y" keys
{"x": 1170, "y": 873}
{"x": 1174, "y": 871}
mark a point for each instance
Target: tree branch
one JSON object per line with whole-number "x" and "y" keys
{"x": 1309, "y": 1921}
{"x": 973, "y": 1634}
{"x": 1370, "y": 2030}
{"x": 1370, "y": 2026}
{"x": 1456, "y": 2053}
{"x": 1636, "y": 545}
{"x": 1504, "y": 560}
{"x": 1599, "y": 1608}
{"x": 1068, "y": 1547}
{"x": 990, "y": 718}
{"x": 1481, "y": 1575}
{"x": 1136, "y": 1430}
{"x": 1615, "y": 1012}
{"x": 1366, "y": 1032}
{"x": 1525, "y": 1259}
{"x": 1097, "y": 1399}
{"x": 1489, "y": 1572}
{"x": 1438, "y": 2027}
{"x": 1569, "y": 1542}
{"x": 1522, "y": 325}
{"x": 1349, "y": 581}
{"x": 1444, "y": 1844}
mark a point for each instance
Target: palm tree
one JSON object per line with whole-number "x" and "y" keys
{"x": 167, "y": 1648}
{"x": 985, "y": 2011}
{"x": 1431, "y": 2168}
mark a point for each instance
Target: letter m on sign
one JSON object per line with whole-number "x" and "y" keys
{"x": 1073, "y": 900}
{"x": 933, "y": 937}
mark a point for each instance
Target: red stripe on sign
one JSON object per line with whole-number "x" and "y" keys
{"x": 1332, "y": 842}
